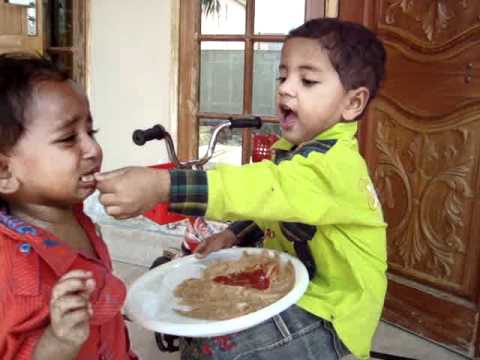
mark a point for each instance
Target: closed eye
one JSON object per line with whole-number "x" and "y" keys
{"x": 281, "y": 79}
{"x": 71, "y": 138}
{"x": 309, "y": 83}
{"x": 68, "y": 139}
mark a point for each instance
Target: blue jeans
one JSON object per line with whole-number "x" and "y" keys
{"x": 293, "y": 334}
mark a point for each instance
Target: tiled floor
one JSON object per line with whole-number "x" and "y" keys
{"x": 389, "y": 339}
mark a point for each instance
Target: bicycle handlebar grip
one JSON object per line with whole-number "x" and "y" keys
{"x": 140, "y": 137}
{"x": 253, "y": 122}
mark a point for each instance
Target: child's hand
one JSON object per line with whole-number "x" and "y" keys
{"x": 70, "y": 308}
{"x": 131, "y": 191}
{"x": 221, "y": 240}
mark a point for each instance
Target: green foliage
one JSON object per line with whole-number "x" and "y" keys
{"x": 210, "y": 6}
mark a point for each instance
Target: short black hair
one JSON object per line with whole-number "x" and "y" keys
{"x": 20, "y": 73}
{"x": 355, "y": 52}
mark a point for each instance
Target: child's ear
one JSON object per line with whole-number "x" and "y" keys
{"x": 357, "y": 100}
{"x": 8, "y": 181}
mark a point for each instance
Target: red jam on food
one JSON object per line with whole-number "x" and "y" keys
{"x": 255, "y": 279}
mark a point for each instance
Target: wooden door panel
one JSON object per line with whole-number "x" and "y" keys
{"x": 428, "y": 43}
{"x": 442, "y": 320}
{"x": 13, "y": 19}
{"x": 426, "y": 97}
{"x": 13, "y": 29}
{"x": 429, "y": 24}
{"x": 421, "y": 139}
{"x": 425, "y": 174}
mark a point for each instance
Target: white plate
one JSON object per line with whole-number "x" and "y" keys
{"x": 151, "y": 301}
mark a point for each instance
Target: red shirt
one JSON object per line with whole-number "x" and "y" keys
{"x": 31, "y": 261}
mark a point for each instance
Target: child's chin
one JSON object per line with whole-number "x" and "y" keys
{"x": 85, "y": 193}
{"x": 290, "y": 137}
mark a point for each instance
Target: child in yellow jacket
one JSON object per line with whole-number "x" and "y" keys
{"x": 315, "y": 200}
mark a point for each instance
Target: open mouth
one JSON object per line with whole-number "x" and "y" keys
{"x": 88, "y": 178}
{"x": 288, "y": 116}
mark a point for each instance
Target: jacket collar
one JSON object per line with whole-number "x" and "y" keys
{"x": 59, "y": 255}
{"x": 340, "y": 131}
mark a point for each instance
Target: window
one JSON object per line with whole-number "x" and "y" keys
{"x": 65, "y": 35}
{"x": 229, "y": 56}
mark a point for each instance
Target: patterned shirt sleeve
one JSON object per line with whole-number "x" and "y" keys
{"x": 188, "y": 192}
{"x": 189, "y": 196}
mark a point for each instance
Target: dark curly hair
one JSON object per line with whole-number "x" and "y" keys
{"x": 20, "y": 73}
{"x": 355, "y": 52}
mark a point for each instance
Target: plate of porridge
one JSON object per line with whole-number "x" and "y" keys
{"x": 228, "y": 291}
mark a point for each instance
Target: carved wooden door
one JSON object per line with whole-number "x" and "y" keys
{"x": 421, "y": 139}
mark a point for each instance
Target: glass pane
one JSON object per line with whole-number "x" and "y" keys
{"x": 61, "y": 23}
{"x": 32, "y": 18}
{"x": 19, "y": 2}
{"x": 223, "y": 17}
{"x": 229, "y": 143}
{"x": 288, "y": 15}
{"x": 265, "y": 74}
{"x": 221, "y": 76}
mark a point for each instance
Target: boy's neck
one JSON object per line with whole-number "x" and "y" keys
{"x": 42, "y": 215}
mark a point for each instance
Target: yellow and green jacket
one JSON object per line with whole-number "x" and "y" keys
{"x": 318, "y": 193}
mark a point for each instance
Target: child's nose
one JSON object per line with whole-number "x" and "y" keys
{"x": 286, "y": 88}
{"x": 91, "y": 148}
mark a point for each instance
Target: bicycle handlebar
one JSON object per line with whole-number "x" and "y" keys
{"x": 140, "y": 137}
{"x": 158, "y": 132}
{"x": 252, "y": 122}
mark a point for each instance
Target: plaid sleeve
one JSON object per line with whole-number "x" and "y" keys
{"x": 188, "y": 192}
{"x": 247, "y": 232}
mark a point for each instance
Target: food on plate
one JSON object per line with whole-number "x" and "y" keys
{"x": 228, "y": 289}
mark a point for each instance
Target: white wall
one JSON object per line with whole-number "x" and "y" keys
{"x": 132, "y": 75}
